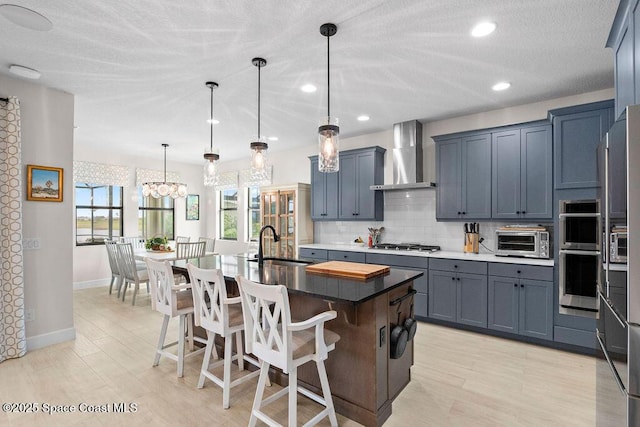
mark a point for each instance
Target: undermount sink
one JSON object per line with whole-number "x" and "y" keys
{"x": 282, "y": 261}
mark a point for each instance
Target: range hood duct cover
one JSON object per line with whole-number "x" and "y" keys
{"x": 407, "y": 158}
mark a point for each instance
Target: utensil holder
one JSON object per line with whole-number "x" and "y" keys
{"x": 471, "y": 243}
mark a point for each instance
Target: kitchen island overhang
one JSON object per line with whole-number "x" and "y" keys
{"x": 364, "y": 379}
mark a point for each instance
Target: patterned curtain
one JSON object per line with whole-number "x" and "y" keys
{"x": 13, "y": 341}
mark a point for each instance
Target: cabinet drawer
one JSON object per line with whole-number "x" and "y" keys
{"x": 398, "y": 260}
{"x": 474, "y": 267}
{"x": 346, "y": 256}
{"x": 521, "y": 271}
{"x": 313, "y": 253}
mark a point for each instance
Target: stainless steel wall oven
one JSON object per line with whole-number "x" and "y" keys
{"x": 580, "y": 258}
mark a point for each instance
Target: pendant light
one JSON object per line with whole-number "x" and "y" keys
{"x": 211, "y": 156}
{"x": 328, "y": 131}
{"x": 258, "y": 146}
{"x": 158, "y": 190}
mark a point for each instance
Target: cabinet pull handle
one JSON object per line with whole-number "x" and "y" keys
{"x": 524, "y": 212}
{"x": 459, "y": 212}
{"x": 455, "y": 266}
{"x": 453, "y": 278}
{"x": 518, "y": 212}
{"x": 518, "y": 271}
{"x": 458, "y": 279}
{"x": 522, "y": 286}
{"x": 464, "y": 213}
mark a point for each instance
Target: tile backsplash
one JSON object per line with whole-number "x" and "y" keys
{"x": 409, "y": 216}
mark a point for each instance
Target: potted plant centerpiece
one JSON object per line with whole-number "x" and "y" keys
{"x": 157, "y": 244}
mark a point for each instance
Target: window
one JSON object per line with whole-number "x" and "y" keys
{"x": 253, "y": 213}
{"x": 155, "y": 217}
{"x": 98, "y": 213}
{"x": 228, "y": 205}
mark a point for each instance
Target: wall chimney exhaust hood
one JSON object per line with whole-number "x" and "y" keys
{"x": 407, "y": 158}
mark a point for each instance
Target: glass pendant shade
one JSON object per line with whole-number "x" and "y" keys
{"x": 158, "y": 190}
{"x": 328, "y": 145}
{"x": 210, "y": 168}
{"x": 259, "y": 159}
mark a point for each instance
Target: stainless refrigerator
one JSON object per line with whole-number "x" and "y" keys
{"x": 618, "y": 324}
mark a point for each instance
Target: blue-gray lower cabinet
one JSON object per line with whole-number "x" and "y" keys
{"x": 458, "y": 297}
{"x": 421, "y": 284}
{"x": 315, "y": 254}
{"x": 521, "y": 306}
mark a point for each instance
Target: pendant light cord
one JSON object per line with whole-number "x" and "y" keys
{"x": 328, "y": 83}
{"x": 259, "y": 66}
{"x": 211, "y": 120}
{"x": 165, "y": 163}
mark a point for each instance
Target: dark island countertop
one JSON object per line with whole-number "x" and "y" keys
{"x": 297, "y": 280}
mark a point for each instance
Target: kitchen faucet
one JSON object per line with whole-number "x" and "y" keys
{"x": 276, "y": 238}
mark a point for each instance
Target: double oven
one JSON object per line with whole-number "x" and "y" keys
{"x": 580, "y": 256}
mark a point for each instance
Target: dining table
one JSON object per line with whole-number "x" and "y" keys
{"x": 141, "y": 254}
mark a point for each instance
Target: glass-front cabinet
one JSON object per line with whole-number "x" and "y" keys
{"x": 288, "y": 210}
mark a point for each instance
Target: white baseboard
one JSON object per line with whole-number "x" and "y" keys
{"x": 51, "y": 338}
{"x": 91, "y": 284}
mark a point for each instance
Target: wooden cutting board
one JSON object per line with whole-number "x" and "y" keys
{"x": 353, "y": 270}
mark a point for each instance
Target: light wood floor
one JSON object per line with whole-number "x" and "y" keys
{"x": 459, "y": 379}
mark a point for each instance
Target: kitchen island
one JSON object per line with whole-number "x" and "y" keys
{"x": 364, "y": 379}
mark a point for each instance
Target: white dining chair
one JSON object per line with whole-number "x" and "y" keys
{"x": 182, "y": 239}
{"x": 132, "y": 275}
{"x": 275, "y": 340}
{"x": 190, "y": 250}
{"x": 112, "y": 253}
{"x": 219, "y": 315}
{"x": 136, "y": 242}
{"x": 210, "y": 243}
{"x": 171, "y": 301}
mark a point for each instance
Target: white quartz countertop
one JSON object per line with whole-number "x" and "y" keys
{"x": 439, "y": 254}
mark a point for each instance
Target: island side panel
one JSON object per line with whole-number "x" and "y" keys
{"x": 363, "y": 379}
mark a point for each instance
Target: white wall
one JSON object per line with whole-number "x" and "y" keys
{"x": 47, "y": 140}
{"x": 91, "y": 266}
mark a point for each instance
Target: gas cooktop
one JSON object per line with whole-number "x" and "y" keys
{"x": 407, "y": 247}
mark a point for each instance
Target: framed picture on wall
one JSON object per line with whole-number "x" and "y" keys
{"x": 44, "y": 183}
{"x": 193, "y": 207}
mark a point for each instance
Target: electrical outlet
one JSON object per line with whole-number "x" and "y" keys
{"x": 383, "y": 336}
{"x": 31, "y": 244}
{"x": 29, "y": 315}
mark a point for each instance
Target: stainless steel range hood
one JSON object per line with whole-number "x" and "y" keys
{"x": 407, "y": 158}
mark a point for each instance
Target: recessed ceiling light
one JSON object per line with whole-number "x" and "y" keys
{"x": 26, "y": 18}
{"x": 308, "y": 88}
{"x": 25, "y": 72}
{"x": 501, "y": 86}
{"x": 363, "y": 118}
{"x": 214, "y": 121}
{"x": 483, "y": 29}
{"x": 273, "y": 138}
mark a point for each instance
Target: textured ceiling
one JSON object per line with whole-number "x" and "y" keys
{"x": 138, "y": 68}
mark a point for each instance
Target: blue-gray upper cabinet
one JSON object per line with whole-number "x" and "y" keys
{"x": 359, "y": 169}
{"x": 464, "y": 177}
{"x": 522, "y": 173}
{"x": 577, "y": 131}
{"x": 624, "y": 40}
{"x": 324, "y": 193}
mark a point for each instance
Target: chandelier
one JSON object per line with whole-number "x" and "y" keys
{"x": 162, "y": 189}
{"x": 211, "y": 156}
